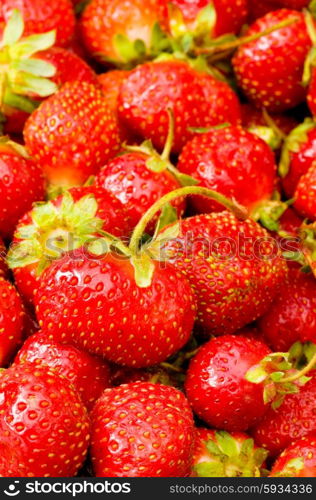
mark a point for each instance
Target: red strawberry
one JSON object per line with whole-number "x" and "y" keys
{"x": 292, "y": 317}
{"x": 294, "y": 419}
{"x": 88, "y": 374}
{"x": 233, "y": 266}
{"x": 227, "y": 19}
{"x": 216, "y": 385}
{"x": 259, "y": 8}
{"x": 154, "y": 374}
{"x": 293, "y": 4}
{"x": 298, "y": 154}
{"x": 123, "y": 33}
{"x": 51, "y": 229}
{"x": 305, "y": 194}
{"x": 43, "y": 424}
{"x": 3, "y": 265}
{"x": 196, "y": 99}
{"x": 95, "y": 303}
{"x": 142, "y": 430}
{"x": 41, "y": 16}
{"x": 72, "y": 134}
{"x": 11, "y": 321}
{"x": 297, "y": 460}
{"x": 21, "y": 184}
{"x": 264, "y": 71}
{"x": 311, "y": 94}
{"x": 230, "y": 160}
{"x": 220, "y": 454}
{"x": 131, "y": 180}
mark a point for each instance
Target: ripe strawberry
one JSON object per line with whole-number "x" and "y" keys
{"x": 3, "y": 265}
{"x": 298, "y": 154}
{"x": 88, "y": 374}
{"x": 220, "y": 454}
{"x": 265, "y": 73}
{"x": 130, "y": 325}
{"x": 259, "y": 8}
{"x": 53, "y": 228}
{"x": 11, "y": 321}
{"x": 233, "y": 266}
{"x": 311, "y": 94}
{"x": 41, "y": 16}
{"x": 293, "y": 4}
{"x": 305, "y": 194}
{"x": 294, "y": 419}
{"x": 216, "y": 385}
{"x": 131, "y": 180}
{"x": 123, "y": 33}
{"x": 154, "y": 374}
{"x": 142, "y": 430}
{"x": 21, "y": 184}
{"x": 196, "y": 99}
{"x": 227, "y": 19}
{"x": 292, "y": 316}
{"x": 43, "y": 424}
{"x": 297, "y": 460}
{"x": 72, "y": 134}
{"x": 230, "y": 160}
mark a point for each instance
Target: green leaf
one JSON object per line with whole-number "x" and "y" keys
{"x": 34, "y": 84}
{"x": 144, "y": 269}
{"x": 125, "y": 48}
{"x": 168, "y": 216}
{"x": 178, "y": 27}
{"x": 206, "y": 20}
{"x": 156, "y": 247}
{"x": 269, "y": 393}
{"x": 140, "y": 48}
{"x": 209, "y": 469}
{"x": 227, "y": 444}
{"x": 156, "y": 164}
{"x": 186, "y": 180}
{"x": 277, "y": 376}
{"x": 257, "y": 374}
{"x": 212, "y": 448}
{"x": 36, "y": 67}
{"x": 32, "y": 44}
{"x": 14, "y": 28}
{"x": 267, "y": 134}
{"x": 19, "y": 102}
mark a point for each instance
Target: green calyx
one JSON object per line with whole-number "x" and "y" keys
{"x": 269, "y": 133}
{"x": 269, "y": 212}
{"x": 310, "y": 61}
{"x": 231, "y": 458}
{"x": 293, "y": 143}
{"x": 161, "y": 162}
{"x": 6, "y": 142}
{"x": 54, "y": 231}
{"x": 24, "y": 77}
{"x": 280, "y": 374}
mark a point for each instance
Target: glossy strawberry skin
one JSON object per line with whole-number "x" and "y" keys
{"x": 11, "y": 321}
{"x": 21, "y": 184}
{"x": 41, "y": 16}
{"x": 305, "y": 450}
{"x": 300, "y": 162}
{"x": 196, "y": 99}
{"x": 142, "y": 430}
{"x": 265, "y": 73}
{"x": 305, "y": 194}
{"x": 311, "y": 94}
{"x": 95, "y": 303}
{"x": 137, "y": 187}
{"x": 44, "y": 425}
{"x": 233, "y": 266}
{"x": 89, "y": 375}
{"x": 72, "y": 134}
{"x": 294, "y": 419}
{"x": 292, "y": 316}
{"x": 103, "y": 20}
{"x": 228, "y": 20}
{"x": 216, "y": 386}
{"x": 230, "y": 160}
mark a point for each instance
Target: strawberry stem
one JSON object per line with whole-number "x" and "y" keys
{"x": 302, "y": 372}
{"x": 239, "y": 211}
{"x": 170, "y": 137}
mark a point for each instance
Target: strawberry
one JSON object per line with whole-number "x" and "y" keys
{"x": 265, "y": 73}
{"x": 226, "y": 19}
{"x": 21, "y": 184}
{"x": 292, "y": 316}
{"x": 132, "y": 180}
{"x": 88, "y": 374}
{"x": 40, "y": 17}
{"x": 43, "y": 423}
{"x": 293, "y": 4}
{"x": 196, "y": 100}
{"x": 230, "y": 160}
{"x": 298, "y": 153}
{"x": 124, "y": 33}
{"x": 53, "y": 228}
{"x": 3, "y": 265}
{"x": 154, "y": 374}
{"x": 297, "y": 460}
{"x": 233, "y": 266}
{"x": 126, "y": 318}
{"x": 311, "y": 94}
{"x": 142, "y": 430}
{"x": 220, "y": 454}
{"x": 216, "y": 385}
{"x": 294, "y": 419}
{"x": 11, "y": 321}
{"x": 305, "y": 194}
{"x": 72, "y": 134}
{"x": 259, "y": 8}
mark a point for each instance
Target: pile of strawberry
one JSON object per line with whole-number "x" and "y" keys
{"x": 157, "y": 238}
